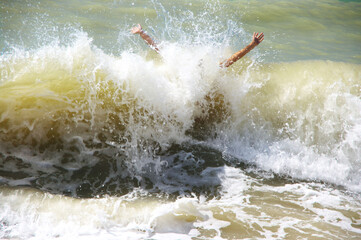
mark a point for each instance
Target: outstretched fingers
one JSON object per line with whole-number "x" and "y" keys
{"x": 136, "y": 29}
{"x": 258, "y": 37}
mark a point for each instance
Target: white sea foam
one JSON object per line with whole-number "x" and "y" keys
{"x": 280, "y": 120}
{"x": 244, "y": 202}
{"x": 67, "y": 105}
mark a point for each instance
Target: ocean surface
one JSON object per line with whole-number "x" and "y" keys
{"x": 103, "y": 138}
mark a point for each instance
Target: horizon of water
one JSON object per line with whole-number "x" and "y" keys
{"x": 103, "y": 138}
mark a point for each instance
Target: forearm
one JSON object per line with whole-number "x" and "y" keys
{"x": 238, "y": 55}
{"x": 149, "y": 40}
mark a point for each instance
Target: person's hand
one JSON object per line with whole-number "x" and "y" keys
{"x": 137, "y": 29}
{"x": 257, "y": 38}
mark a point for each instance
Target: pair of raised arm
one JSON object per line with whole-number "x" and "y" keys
{"x": 257, "y": 39}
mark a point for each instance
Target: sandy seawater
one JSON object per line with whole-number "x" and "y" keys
{"x": 103, "y": 138}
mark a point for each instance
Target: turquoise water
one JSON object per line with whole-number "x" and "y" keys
{"x": 295, "y": 30}
{"x": 103, "y": 138}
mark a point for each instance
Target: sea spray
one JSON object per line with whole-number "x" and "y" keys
{"x": 103, "y": 138}
{"x": 74, "y": 100}
{"x": 293, "y": 120}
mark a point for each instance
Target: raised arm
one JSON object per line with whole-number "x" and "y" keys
{"x": 138, "y": 30}
{"x": 257, "y": 39}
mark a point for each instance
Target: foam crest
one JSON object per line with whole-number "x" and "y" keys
{"x": 297, "y": 119}
{"x": 103, "y": 138}
{"x": 83, "y": 85}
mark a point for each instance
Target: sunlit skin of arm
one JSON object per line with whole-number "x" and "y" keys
{"x": 138, "y": 30}
{"x": 257, "y": 39}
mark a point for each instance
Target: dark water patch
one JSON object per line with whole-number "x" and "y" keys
{"x": 181, "y": 170}
{"x": 13, "y": 174}
{"x": 13, "y": 167}
{"x": 215, "y": 110}
{"x": 186, "y": 169}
